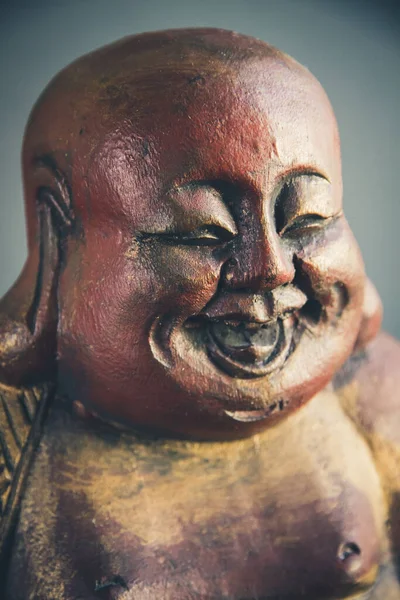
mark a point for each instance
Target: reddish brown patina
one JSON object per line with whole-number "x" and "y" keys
{"x": 194, "y": 311}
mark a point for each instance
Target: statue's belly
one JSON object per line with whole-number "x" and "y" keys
{"x": 295, "y": 512}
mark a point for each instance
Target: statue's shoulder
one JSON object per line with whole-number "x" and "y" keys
{"x": 22, "y": 412}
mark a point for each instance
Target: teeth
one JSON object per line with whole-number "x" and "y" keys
{"x": 246, "y": 342}
{"x": 248, "y": 416}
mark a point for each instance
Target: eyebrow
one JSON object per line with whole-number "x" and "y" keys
{"x": 305, "y": 171}
{"x": 220, "y": 191}
{"x": 223, "y": 188}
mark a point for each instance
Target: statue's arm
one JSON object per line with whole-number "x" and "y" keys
{"x": 371, "y": 396}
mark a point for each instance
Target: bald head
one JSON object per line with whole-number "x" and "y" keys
{"x": 136, "y": 70}
{"x": 133, "y": 80}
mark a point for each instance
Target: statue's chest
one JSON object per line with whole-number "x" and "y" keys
{"x": 296, "y": 510}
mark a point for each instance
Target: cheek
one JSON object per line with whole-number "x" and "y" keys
{"x": 333, "y": 260}
{"x": 176, "y": 280}
{"x": 118, "y": 294}
{"x": 108, "y": 306}
{"x": 93, "y": 288}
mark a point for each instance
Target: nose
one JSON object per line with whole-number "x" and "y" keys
{"x": 261, "y": 264}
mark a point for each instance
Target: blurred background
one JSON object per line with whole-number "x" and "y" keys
{"x": 353, "y": 47}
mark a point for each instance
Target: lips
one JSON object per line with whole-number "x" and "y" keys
{"x": 245, "y": 349}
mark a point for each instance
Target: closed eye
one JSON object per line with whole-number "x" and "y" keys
{"x": 304, "y": 222}
{"x": 209, "y": 235}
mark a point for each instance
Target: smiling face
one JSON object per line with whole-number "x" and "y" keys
{"x": 218, "y": 286}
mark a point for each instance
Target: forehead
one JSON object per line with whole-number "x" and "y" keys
{"x": 251, "y": 124}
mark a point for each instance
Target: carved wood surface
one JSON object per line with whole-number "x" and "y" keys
{"x": 22, "y": 412}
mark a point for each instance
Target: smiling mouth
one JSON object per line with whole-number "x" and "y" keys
{"x": 238, "y": 343}
{"x": 246, "y": 349}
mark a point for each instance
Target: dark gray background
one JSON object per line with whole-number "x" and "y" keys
{"x": 353, "y": 47}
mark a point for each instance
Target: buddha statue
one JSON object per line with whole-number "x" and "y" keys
{"x": 196, "y": 401}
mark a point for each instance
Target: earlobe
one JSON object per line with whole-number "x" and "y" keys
{"x": 371, "y": 318}
{"x": 28, "y": 312}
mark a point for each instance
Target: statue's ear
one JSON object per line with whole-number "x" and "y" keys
{"x": 372, "y": 316}
{"x": 28, "y": 312}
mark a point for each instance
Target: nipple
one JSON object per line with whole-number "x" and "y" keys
{"x": 348, "y": 551}
{"x": 350, "y": 558}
